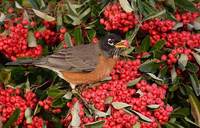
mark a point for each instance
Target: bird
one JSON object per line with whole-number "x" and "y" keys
{"x": 82, "y": 64}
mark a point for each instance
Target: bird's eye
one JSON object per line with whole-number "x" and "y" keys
{"x": 110, "y": 42}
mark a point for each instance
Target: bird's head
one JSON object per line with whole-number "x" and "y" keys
{"x": 113, "y": 44}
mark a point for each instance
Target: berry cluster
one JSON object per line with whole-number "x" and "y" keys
{"x": 11, "y": 99}
{"x": 50, "y": 36}
{"x": 187, "y": 17}
{"x": 117, "y": 19}
{"x": 46, "y": 103}
{"x": 14, "y": 43}
{"x": 37, "y": 122}
{"x": 139, "y": 97}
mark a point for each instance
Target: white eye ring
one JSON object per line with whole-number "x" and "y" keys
{"x": 110, "y": 42}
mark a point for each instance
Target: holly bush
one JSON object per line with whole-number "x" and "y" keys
{"x": 154, "y": 84}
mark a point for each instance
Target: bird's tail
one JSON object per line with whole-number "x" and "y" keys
{"x": 21, "y": 62}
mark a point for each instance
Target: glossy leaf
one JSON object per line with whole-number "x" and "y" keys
{"x": 125, "y": 5}
{"x": 141, "y": 116}
{"x": 159, "y": 45}
{"x": 68, "y": 40}
{"x": 173, "y": 74}
{"x": 151, "y": 67}
{"x": 155, "y": 77}
{"x": 153, "y": 106}
{"x": 195, "y": 109}
{"x": 195, "y": 83}
{"x": 145, "y": 45}
{"x": 31, "y": 40}
{"x": 182, "y": 61}
{"x": 78, "y": 36}
{"x": 134, "y": 82}
{"x": 97, "y": 124}
{"x": 44, "y": 15}
{"x": 12, "y": 118}
{"x": 191, "y": 67}
{"x": 197, "y": 57}
{"x": 120, "y": 105}
{"x": 186, "y": 5}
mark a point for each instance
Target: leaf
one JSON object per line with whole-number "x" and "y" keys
{"x": 85, "y": 13}
{"x": 2, "y": 17}
{"x": 137, "y": 125}
{"x": 141, "y": 116}
{"x": 182, "y": 61}
{"x": 100, "y": 113}
{"x": 5, "y": 76}
{"x": 159, "y": 45}
{"x": 197, "y": 49}
{"x": 145, "y": 45}
{"x": 191, "y": 67}
{"x": 17, "y": 5}
{"x": 27, "y": 112}
{"x": 155, "y": 77}
{"x": 197, "y": 57}
{"x": 43, "y": 15}
{"x": 195, "y": 83}
{"x": 125, "y": 5}
{"x": 12, "y": 118}
{"x": 177, "y": 26}
{"x": 97, "y": 124}
{"x": 171, "y": 4}
{"x": 149, "y": 67}
{"x": 78, "y": 36}
{"x": 134, "y": 82}
{"x": 190, "y": 121}
{"x": 59, "y": 103}
{"x": 31, "y": 40}
{"x": 76, "y": 121}
{"x": 173, "y": 74}
{"x": 55, "y": 92}
{"x": 68, "y": 40}
{"x": 195, "y": 109}
{"x": 120, "y": 105}
{"x": 153, "y": 106}
{"x": 154, "y": 15}
{"x": 186, "y": 5}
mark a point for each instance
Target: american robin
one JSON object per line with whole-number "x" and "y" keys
{"x": 82, "y": 64}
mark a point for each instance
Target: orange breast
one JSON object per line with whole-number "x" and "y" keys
{"x": 102, "y": 70}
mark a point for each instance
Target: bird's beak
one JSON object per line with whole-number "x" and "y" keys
{"x": 122, "y": 44}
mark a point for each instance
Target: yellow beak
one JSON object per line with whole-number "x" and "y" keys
{"x": 121, "y": 44}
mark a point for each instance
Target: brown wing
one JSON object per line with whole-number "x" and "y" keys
{"x": 75, "y": 59}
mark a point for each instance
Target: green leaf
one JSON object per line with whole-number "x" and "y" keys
{"x": 68, "y": 95}
{"x": 43, "y": 15}
{"x": 97, "y": 124}
{"x": 154, "y": 15}
{"x": 125, "y": 5}
{"x": 197, "y": 57}
{"x": 68, "y": 40}
{"x": 59, "y": 103}
{"x": 5, "y": 76}
{"x": 186, "y": 5}
{"x": 120, "y": 105}
{"x": 137, "y": 125}
{"x": 12, "y": 118}
{"x": 134, "y": 82}
{"x": 195, "y": 83}
{"x": 191, "y": 122}
{"x": 76, "y": 121}
{"x": 145, "y": 45}
{"x": 141, "y": 116}
{"x": 31, "y": 40}
{"x": 170, "y": 3}
{"x": 182, "y": 61}
{"x": 153, "y": 106}
{"x": 182, "y": 112}
{"x": 28, "y": 112}
{"x": 163, "y": 72}
{"x": 173, "y": 74}
{"x": 191, "y": 67}
{"x": 195, "y": 109}
{"x": 159, "y": 45}
{"x": 155, "y": 77}
{"x": 17, "y": 5}
{"x": 55, "y": 92}
{"x": 78, "y": 36}
{"x": 2, "y": 17}
{"x": 85, "y": 13}
{"x": 149, "y": 67}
